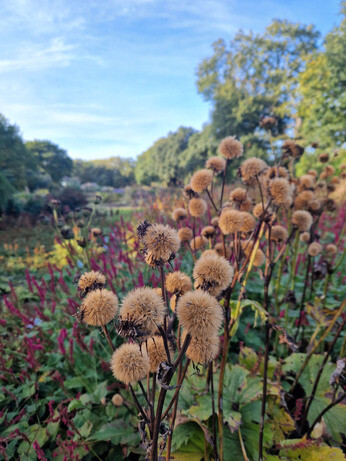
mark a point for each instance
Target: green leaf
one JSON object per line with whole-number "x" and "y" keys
{"x": 74, "y": 382}
{"x": 28, "y": 390}
{"x": 86, "y": 429}
{"x": 310, "y": 451}
{"x": 202, "y": 408}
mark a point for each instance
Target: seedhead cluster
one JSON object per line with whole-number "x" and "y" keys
{"x": 268, "y": 214}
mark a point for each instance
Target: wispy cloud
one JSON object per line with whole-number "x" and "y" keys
{"x": 37, "y": 57}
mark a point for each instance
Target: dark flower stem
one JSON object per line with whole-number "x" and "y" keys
{"x": 223, "y": 181}
{"x": 268, "y": 275}
{"x": 214, "y": 419}
{"x": 212, "y": 201}
{"x": 306, "y": 283}
{"x": 105, "y": 331}
{"x": 139, "y": 407}
{"x": 330, "y": 406}
{"x": 161, "y": 399}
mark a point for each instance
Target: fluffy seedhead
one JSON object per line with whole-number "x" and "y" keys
{"x": 314, "y": 249}
{"x": 208, "y": 231}
{"x": 198, "y": 242}
{"x": 279, "y": 190}
{"x": 185, "y": 234}
{"x": 306, "y": 181}
{"x": 314, "y": 205}
{"x": 90, "y": 281}
{"x": 129, "y": 364}
{"x": 258, "y": 210}
{"x": 250, "y": 169}
{"x": 96, "y": 232}
{"x": 179, "y": 214}
{"x": 268, "y": 123}
{"x": 219, "y": 250}
{"x": 201, "y": 180}
{"x": 215, "y": 222}
{"x": 144, "y": 309}
{"x": 276, "y": 172}
{"x": 259, "y": 255}
{"x": 323, "y": 158}
{"x": 199, "y": 314}
{"x": 213, "y": 273}
{"x": 197, "y": 207}
{"x": 329, "y": 170}
{"x": 98, "y": 308}
{"x": 203, "y": 350}
{"x": 302, "y": 220}
{"x": 231, "y": 221}
{"x": 313, "y": 173}
{"x": 231, "y": 148}
{"x": 162, "y": 242}
{"x": 117, "y": 400}
{"x": 178, "y": 283}
{"x": 189, "y": 193}
{"x": 239, "y": 198}
{"x": 249, "y": 222}
{"x": 331, "y": 249}
{"x": 209, "y": 252}
{"x": 157, "y": 353}
{"x": 292, "y": 149}
{"x": 278, "y": 234}
{"x": 216, "y": 164}
{"x": 304, "y": 237}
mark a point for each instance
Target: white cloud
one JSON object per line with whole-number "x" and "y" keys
{"x": 37, "y": 57}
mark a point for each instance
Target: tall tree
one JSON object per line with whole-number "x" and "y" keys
{"x": 15, "y": 160}
{"x": 162, "y": 162}
{"x": 51, "y": 159}
{"x": 322, "y": 91}
{"x": 255, "y": 76}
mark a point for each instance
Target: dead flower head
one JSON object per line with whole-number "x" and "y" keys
{"x": 179, "y": 214}
{"x": 279, "y": 190}
{"x": 240, "y": 199}
{"x": 198, "y": 242}
{"x": 178, "y": 283}
{"x": 231, "y": 221}
{"x": 144, "y": 308}
{"x": 292, "y": 149}
{"x": 314, "y": 249}
{"x": 90, "y": 281}
{"x": 302, "y": 220}
{"x": 201, "y": 180}
{"x": 203, "y": 350}
{"x": 129, "y": 364}
{"x": 184, "y": 234}
{"x": 197, "y": 207}
{"x": 98, "y": 308}
{"x": 213, "y": 273}
{"x": 199, "y": 313}
{"x": 216, "y": 164}
{"x": 278, "y": 234}
{"x": 157, "y": 353}
{"x": 162, "y": 242}
{"x": 250, "y": 169}
{"x": 231, "y": 148}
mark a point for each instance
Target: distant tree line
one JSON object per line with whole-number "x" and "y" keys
{"x": 287, "y": 72}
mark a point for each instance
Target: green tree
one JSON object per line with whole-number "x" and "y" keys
{"x": 322, "y": 91}
{"x": 50, "y": 159}
{"x": 15, "y": 161}
{"x": 163, "y": 161}
{"x": 255, "y": 76}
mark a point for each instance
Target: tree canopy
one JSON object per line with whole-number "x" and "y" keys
{"x": 254, "y": 76}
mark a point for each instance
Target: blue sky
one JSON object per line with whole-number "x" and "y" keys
{"x": 109, "y": 77}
